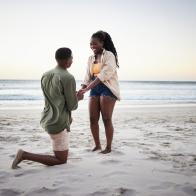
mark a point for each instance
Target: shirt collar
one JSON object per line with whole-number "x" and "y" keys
{"x": 60, "y": 68}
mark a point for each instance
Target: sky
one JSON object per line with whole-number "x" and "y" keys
{"x": 155, "y": 39}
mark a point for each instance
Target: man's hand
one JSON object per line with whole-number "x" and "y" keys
{"x": 79, "y": 95}
{"x": 83, "y": 91}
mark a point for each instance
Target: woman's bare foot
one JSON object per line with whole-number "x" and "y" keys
{"x": 18, "y": 159}
{"x": 106, "y": 151}
{"x": 96, "y": 148}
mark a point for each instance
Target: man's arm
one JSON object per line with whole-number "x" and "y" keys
{"x": 71, "y": 99}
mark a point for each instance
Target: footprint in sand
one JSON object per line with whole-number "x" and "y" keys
{"x": 103, "y": 192}
{"x": 10, "y": 192}
{"x": 116, "y": 192}
{"x": 164, "y": 185}
{"x": 115, "y": 173}
{"x": 111, "y": 161}
{"x": 125, "y": 191}
{"x": 19, "y": 173}
{"x": 165, "y": 144}
{"x": 188, "y": 189}
{"x": 43, "y": 191}
{"x": 4, "y": 176}
{"x": 117, "y": 152}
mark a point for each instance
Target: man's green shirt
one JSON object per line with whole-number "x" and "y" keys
{"x": 59, "y": 89}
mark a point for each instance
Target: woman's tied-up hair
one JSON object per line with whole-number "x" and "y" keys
{"x": 107, "y": 43}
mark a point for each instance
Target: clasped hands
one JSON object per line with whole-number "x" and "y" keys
{"x": 81, "y": 92}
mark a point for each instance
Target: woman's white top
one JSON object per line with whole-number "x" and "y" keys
{"x": 108, "y": 73}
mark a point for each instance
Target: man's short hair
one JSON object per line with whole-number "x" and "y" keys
{"x": 63, "y": 54}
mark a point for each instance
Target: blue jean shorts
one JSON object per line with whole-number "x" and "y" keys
{"x": 101, "y": 90}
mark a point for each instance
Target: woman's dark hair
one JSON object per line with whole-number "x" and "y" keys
{"x": 107, "y": 43}
{"x": 63, "y": 54}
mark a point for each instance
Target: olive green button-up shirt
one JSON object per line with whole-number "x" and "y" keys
{"x": 59, "y": 89}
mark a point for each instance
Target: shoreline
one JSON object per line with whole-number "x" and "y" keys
{"x": 84, "y": 104}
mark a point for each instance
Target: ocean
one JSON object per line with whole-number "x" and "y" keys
{"x": 27, "y": 93}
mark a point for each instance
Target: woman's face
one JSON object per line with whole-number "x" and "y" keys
{"x": 96, "y": 45}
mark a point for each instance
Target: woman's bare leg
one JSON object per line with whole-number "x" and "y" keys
{"x": 94, "y": 112}
{"x": 107, "y": 104}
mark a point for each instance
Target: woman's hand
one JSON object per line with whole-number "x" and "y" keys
{"x": 82, "y": 91}
{"x": 90, "y": 86}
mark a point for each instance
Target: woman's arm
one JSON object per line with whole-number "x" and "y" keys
{"x": 90, "y": 86}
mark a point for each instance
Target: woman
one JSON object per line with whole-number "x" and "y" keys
{"x": 102, "y": 81}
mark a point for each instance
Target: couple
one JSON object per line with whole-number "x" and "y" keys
{"x": 59, "y": 89}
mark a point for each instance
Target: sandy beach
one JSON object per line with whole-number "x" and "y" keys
{"x": 153, "y": 154}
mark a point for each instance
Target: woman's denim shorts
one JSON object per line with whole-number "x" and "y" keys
{"x": 101, "y": 90}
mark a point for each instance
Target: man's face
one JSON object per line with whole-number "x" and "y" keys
{"x": 69, "y": 62}
{"x": 66, "y": 63}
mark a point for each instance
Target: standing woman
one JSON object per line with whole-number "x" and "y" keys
{"x": 102, "y": 81}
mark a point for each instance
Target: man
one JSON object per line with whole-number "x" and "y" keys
{"x": 59, "y": 89}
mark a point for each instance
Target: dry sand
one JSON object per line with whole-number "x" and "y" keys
{"x": 154, "y": 154}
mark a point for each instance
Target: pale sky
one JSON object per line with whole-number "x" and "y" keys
{"x": 155, "y": 39}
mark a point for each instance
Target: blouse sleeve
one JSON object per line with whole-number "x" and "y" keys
{"x": 87, "y": 77}
{"x": 108, "y": 69}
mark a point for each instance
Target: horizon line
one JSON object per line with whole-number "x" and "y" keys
{"x": 119, "y": 80}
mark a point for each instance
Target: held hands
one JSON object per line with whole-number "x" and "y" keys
{"x": 80, "y": 96}
{"x": 83, "y": 91}
{"x": 80, "y": 93}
